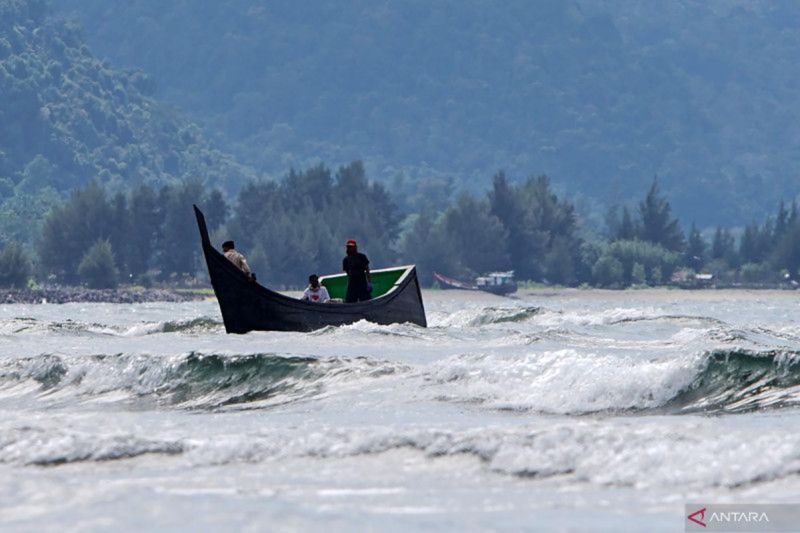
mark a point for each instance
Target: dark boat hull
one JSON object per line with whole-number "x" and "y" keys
{"x": 247, "y": 306}
{"x": 501, "y": 290}
{"x": 453, "y": 284}
{"x": 450, "y": 283}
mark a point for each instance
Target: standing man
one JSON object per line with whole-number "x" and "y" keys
{"x": 359, "y": 282}
{"x": 237, "y": 259}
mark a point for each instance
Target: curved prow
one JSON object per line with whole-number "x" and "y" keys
{"x": 247, "y": 306}
{"x": 201, "y": 224}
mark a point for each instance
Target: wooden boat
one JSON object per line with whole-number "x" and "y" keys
{"x": 450, "y": 283}
{"x": 247, "y": 306}
{"x": 500, "y": 283}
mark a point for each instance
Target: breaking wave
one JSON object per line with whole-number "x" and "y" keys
{"x": 194, "y": 381}
{"x": 195, "y": 325}
{"x": 743, "y": 380}
{"x": 36, "y": 446}
{"x": 571, "y": 382}
{"x": 626, "y": 453}
{"x": 557, "y": 382}
{"x": 28, "y": 326}
{"x": 485, "y": 316}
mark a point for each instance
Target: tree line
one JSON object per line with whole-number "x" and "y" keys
{"x": 100, "y": 240}
{"x": 295, "y": 226}
{"x": 421, "y": 88}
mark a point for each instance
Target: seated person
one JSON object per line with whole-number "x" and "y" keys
{"x": 229, "y": 250}
{"x": 315, "y": 292}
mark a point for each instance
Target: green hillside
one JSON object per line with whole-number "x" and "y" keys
{"x": 600, "y": 95}
{"x": 67, "y": 117}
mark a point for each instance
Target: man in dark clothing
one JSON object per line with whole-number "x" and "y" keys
{"x": 359, "y": 282}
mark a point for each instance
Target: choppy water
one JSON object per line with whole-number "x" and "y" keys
{"x": 562, "y": 411}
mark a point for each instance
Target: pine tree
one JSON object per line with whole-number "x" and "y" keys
{"x": 627, "y": 229}
{"x": 121, "y": 230}
{"x": 178, "y": 243}
{"x": 478, "y": 236}
{"x": 15, "y": 266}
{"x": 724, "y": 247}
{"x": 505, "y": 204}
{"x": 145, "y": 220}
{"x": 657, "y": 224}
{"x": 215, "y": 209}
{"x": 68, "y": 230}
{"x": 97, "y": 268}
{"x": 695, "y": 249}
{"x": 786, "y": 254}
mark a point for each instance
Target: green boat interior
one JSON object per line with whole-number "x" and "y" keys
{"x": 383, "y": 280}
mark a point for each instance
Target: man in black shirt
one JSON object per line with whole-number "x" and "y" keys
{"x": 356, "y": 265}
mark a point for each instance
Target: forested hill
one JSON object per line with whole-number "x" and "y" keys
{"x": 67, "y": 117}
{"x": 599, "y": 94}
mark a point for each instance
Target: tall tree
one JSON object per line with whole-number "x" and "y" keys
{"x": 479, "y": 238}
{"x": 657, "y": 224}
{"x": 145, "y": 221}
{"x": 506, "y": 203}
{"x": 121, "y": 231}
{"x": 15, "y": 266}
{"x": 71, "y": 229}
{"x": 627, "y": 228}
{"x": 724, "y": 246}
{"x": 97, "y": 267}
{"x": 179, "y": 249}
{"x": 695, "y": 249}
{"x": 786, "y": 254}
{"x": 215, "y": 209}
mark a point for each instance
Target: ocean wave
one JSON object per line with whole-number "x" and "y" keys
{"x": 564, "y": 381}
{"x": 28, "y": 326}
{"x": 557, "y": 382}
{"x": 573, "y": 382}
{"x": 40, "y": 447}
{"x": 194, "y": 325}
{"x": 191, "y": 381}
{"x": 363, "y": 327}
{"x": 34, "y": 326}
{"x": 742, "y": 380}
{"x": 483, "y": 316}
{"x": 642, "y": 453}
{"x": 621, "y": 316}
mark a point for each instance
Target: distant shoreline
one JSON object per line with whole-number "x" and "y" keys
{"x": 65, "y": 295}
{"x": 132, "y": 295}
{"x": 658, "y": 293}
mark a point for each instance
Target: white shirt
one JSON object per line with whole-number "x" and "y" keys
{"x": 319, "y": 295}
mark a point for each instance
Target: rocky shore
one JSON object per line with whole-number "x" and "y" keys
{"x": 79, "y": 294}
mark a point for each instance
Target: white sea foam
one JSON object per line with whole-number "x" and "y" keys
{"x": 691, "y": 453}
{"x": 581, "y": 401}
{"x": 35, "y": 446}
{"x": 563, "y": 381}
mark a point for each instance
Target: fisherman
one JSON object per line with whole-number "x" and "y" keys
{"x": 359, "y": 281}
{"x": 315, "y": 292}
{"x": 237, "y": 259}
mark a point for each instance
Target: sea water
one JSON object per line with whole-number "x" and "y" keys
{"x": 569, "y": 410}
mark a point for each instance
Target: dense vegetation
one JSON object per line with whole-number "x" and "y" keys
{"x": 297, "y": 226}
{"x": 142, "y": 236}
{"x": 601, "y": 95}
{"x": 97, "y": 178}
{"x": 67, "y": 118}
